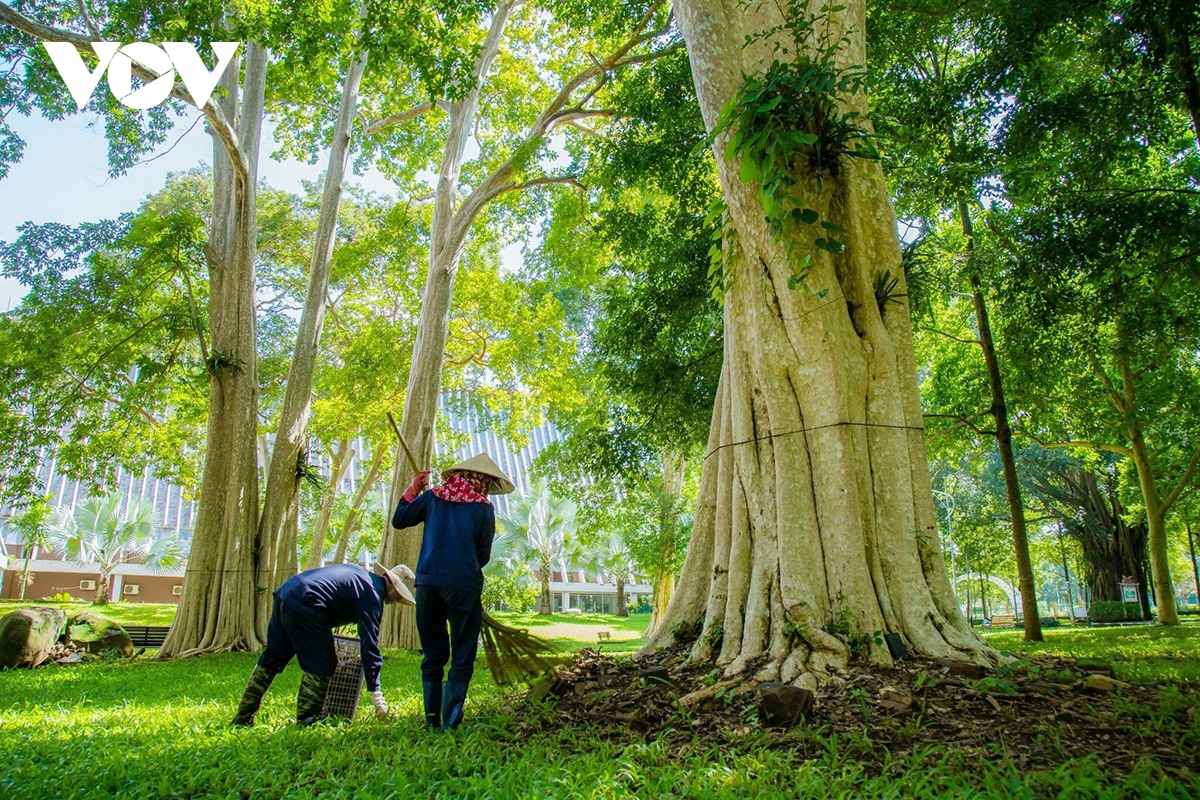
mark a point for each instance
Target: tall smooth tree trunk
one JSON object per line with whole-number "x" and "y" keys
{"x": 218, "y": 608}
{"x": 277, "y": 559}
{"x": 622, "y": 606}
{"x": 338, "y": 463}
{"x": 364, "y": 487}
{"x": 815, "y": 503}
{"x": 451, "y": 224}
{"x": 1195, "y": 569}
{"x": 1008, "y": 464}
{"x": 1160, "y": 568}
{"x": 668, "y": 522}
{"x": 1062, "y": 549}
{"x": 970, "y": 608}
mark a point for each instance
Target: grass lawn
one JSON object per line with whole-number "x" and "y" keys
{"x": 567, "y": 631}
{"x": 1141, "y": 653}
{"x": 141, "y": 728}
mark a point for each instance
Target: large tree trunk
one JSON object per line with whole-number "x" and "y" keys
{"x": 622, "y": 606}
{"x": 218, "y": 608}
{"x": 278, "y": 559}
{"x": 815, "y": 505}
{"x": 1112, "y": 548}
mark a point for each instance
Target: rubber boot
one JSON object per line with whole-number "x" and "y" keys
{"x": 454, "y": 694}
{"x": 433, "y": 705}
{"x": 260, "y": 681}
{"x": 310, "y": 702}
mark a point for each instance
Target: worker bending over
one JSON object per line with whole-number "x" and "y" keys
{"x": 307, "y": 608}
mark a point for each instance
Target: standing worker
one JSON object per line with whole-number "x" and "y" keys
{"x": 307, "y": 608}
{"x": 460, "y": 524}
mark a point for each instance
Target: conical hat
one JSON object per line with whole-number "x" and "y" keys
{"x": 402, "y": 579}
{"x": 484, "y": 465}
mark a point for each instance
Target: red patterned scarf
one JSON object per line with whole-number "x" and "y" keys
{"x": 464, "y": 487}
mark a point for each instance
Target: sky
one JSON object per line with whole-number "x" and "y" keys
{"x": 63, "y": 177}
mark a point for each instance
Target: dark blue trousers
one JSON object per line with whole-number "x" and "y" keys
{"x": 298, "y": 630}
{"x": 462, "y": 611}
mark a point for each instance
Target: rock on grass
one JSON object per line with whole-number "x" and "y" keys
{"x": 28, "y": 634}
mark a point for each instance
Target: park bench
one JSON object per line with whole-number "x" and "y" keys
{"x": 1003, "y": 620}
{"x": 604, "y": 636}
{"x": 147, "y": 635}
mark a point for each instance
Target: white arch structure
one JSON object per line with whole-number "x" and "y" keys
{"x": 1012, "y": 593}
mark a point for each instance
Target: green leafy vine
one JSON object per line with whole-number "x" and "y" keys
{"x": 792, "y": 115}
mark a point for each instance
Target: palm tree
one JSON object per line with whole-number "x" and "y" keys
{"x": 33, "y": 523}
{"x": 615, "y": 559}
{"x": 539, "y": 533}
{"x": 104, "y": 535}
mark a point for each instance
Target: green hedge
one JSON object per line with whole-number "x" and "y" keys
{"x": 1114, "y": 611}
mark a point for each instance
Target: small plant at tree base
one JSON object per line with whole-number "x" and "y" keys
{"x": 791, "y": 117}
{"x": 716, "y": 635}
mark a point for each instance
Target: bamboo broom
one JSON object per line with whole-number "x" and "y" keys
{"x": 513, "y": 654}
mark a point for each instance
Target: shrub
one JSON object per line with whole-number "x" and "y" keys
{"x": 1050, "y": 622}
{"x": 507, "y": 593}
{"x": 1113, "y": 611}
{"x": 62, "y": 597}
{"x": 1189, "y": 609}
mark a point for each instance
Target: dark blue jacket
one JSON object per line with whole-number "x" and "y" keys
{"x": 338, "y": 595}
{"x": 457, "y": 542}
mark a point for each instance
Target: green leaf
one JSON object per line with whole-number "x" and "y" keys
{"x": 749, "y": 169}
{"x": 830, "y": 245}
{"x": 805, "y": 216}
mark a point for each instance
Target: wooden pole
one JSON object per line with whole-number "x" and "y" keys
{"x": 403, "y": 444}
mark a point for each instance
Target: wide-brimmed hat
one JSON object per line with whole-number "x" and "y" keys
{"x": 402, "y": 580}
{"x": 484, "y": 465}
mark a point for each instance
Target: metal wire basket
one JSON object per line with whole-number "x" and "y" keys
{"x": 345, "y": 688}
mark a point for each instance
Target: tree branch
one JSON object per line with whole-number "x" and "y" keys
{"x": 557, "y": 110}
{"x": 411, "y": 113}
{"x": 216, "y": 119}
{"x": 952, "y": 337}
{"x": 961, "y": 422}
{"x": 87, "y": 18}
{"x": 545, "y": 180}
{"x": 1110, "y": 448}
{"x": 1098, "y": 370}
{"x": 1184, "y": 481}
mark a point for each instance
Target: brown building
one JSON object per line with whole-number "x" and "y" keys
{"x": 49, "y": 575}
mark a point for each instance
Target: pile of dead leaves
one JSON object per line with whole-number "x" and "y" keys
{"x": 1039, "y": 712}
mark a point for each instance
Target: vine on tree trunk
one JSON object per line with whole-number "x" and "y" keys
{"x": 791, "y": 115}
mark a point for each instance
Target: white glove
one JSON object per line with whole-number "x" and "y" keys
{"x": 381, "y": 706}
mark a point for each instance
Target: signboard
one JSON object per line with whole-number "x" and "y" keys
{"x": 1129, "y": 590}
